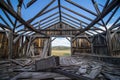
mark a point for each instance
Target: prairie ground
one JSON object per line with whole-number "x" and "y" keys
{"x": 61, "y": 52}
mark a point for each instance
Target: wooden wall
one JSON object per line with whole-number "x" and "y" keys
{"x": 96, "y": 45}
{"x": 57, "y": 30}
{"x": 116, "y": 45}
{"x": 39, "y": 44}
{"x": 80, "y": 45}
{"x": 99, "y": 45}
{"x": 3, "y": 45}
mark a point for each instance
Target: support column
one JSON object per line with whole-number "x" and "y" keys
{"x": 92, "y": 48}
{"x": 10, "y": 45}
{"x": 71, "y": 46}
{"x": 108, "y": 39}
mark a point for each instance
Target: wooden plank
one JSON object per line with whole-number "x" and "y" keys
{"x": 45, "y": 49}
{"x": 10, "y": 45}
{"x": 47, "y": 63}
{"x": 94, "y": 73}
{"x": 38, "y": 76}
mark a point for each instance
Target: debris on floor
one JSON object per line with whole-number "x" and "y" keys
{"x": 63, "y": 68}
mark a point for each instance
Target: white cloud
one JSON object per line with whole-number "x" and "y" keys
{"x": 60, "y": 42}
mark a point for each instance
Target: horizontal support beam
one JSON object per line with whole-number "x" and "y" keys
{"x": 109, "y": 8}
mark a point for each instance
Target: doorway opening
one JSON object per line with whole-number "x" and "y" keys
{"x": 60, "y": 46}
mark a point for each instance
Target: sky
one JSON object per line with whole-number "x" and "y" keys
{"x": 61, "y": 41}
{"x": 31, "y": 11}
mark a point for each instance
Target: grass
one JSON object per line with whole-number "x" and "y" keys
{"x": 61, "y": 52}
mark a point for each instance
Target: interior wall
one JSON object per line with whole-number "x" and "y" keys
{"x": 116, "y": 44}
{"x": 99, "y": 45}
{"x": 80, "y": 45}
{"x": 3, "y": 46}
{"x": 39, "y": 45}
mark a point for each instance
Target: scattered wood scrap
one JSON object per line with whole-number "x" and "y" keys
{"x": 47, "y": 63}
{"x": 22, "y": 63}
{"x": 75, "y": 68}
{"x": 38, "y": 75}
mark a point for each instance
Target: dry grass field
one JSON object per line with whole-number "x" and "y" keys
{"x": 61, "y": 52}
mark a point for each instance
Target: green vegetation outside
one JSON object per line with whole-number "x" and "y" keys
{"x": 61, "y": 51}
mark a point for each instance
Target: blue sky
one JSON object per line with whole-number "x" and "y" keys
{"x": 30, "y": 12}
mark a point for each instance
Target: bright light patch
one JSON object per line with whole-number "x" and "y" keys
{"x": 60, "y": 42}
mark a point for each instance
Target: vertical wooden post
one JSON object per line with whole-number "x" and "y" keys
{"x": 28, "y": 47}
{"x": 108, "y": 38}
{"x": 71, "y": 46}
{"x": 92, "y": 47}
{"x": 49, "y": 51}
{"x": 10, "y": 45}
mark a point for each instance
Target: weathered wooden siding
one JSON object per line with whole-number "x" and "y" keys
{"x": 116, "y": 45}
{"x": 100, "y": 45}
{"x": 39, "y": 44}
{"x": 3, "y": 45}
{"x": 57, "y": 30}
{"x": 81, "y": 45}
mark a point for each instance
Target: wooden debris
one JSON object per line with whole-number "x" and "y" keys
{"x": 47, "y": 63}
{"x": 4, "y": 62}
{"x": 23, "y": 63}
{"x": 45, "y": 49}
{"x": 37, "y": 75}
{"x": 111, "y": 77}
{"x": 75, "y": 68}
{"x": 82, "y": 69}
{"x": 16, "y": 62}
{"x": 94, "y": 72}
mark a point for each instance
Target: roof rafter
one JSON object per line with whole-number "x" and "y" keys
{"x": 111, "y": 6}
{"x": 14, "y": 14}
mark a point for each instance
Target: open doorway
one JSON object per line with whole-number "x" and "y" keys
{"x": 60, "y": 46}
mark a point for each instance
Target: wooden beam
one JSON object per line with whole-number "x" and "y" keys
{"x": 99, "y": 13}
{"x": 8, "y": 17}
{"x": 8, "y": 26}
{"x": 14, "y": 14}
{"x": 79, "y": 6}
{"x": 59, "y": 6}
{"x": 111, "y": 6}
{"x": 79, "y": 14}
{"x": 4, "y": 26}
{"x": 10, "y": 45}
{"x": 79, "y": 20}
{"x": 30, "y": 3}
{"x": 39, "y": 14}
{"x": 112, "y": 15}
{"x": 45, "y": 18}
{"x": 9, "y": 2}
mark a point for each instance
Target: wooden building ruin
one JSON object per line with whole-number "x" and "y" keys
{"x": 27, "y": 28}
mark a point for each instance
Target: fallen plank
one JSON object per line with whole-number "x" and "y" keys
{"x": 16, "y": 62}
{"x": 37, "y": 75}
{"x": 95, "y": 71}
{"x": 71, "y": 75}
{"x": 47, "y": 63}
{"x": 4, "y": 62}
{"x": 111, "y": 77}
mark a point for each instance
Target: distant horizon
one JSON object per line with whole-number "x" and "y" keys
{"x": 60, "y": 46}
{"x": 61, "y": 42}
